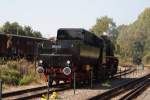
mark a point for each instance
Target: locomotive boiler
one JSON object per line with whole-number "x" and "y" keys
{"x": 80, "y": 51}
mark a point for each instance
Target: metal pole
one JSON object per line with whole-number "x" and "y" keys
{"x": 120, "y": 72}
{"x": 35, "y": 65}
{"x": 91, "y": 78}
{"x": 133, "y": 73}
{"x": 0, "y": 89}
{"x": 74, "y": 84}
{"x": 125, "y": 71}
{"x": 48, "y": 87}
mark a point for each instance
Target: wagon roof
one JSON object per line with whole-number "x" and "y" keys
{"x": 25, "y": 37}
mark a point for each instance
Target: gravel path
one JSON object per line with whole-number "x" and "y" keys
{"x": 145, "y": 95}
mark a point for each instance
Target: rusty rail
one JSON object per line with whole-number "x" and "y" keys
{"x": 118, "y": 90}
{"x": 31, "y": 92}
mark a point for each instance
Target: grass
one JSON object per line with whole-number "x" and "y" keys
{"x": 26, "y": 79}
{"x": 4, "y": 87}
{"x": 146, "y": 59}
{"x": 106, "y": 83}
{"x": 9, "y": 73}
{"x": 2, "y": 61}
{"x": 18, "y": 73}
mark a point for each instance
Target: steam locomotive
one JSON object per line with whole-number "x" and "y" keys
{"x": 77, "y": 51}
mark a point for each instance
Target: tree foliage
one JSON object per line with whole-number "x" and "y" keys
{"x": 15, "y": 28}
{"x": 105, "y": 24}
{"x": 134, "y": 39}
{"x": 102, "y": 25}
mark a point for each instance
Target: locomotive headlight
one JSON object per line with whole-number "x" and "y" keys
{"x": 40, "y": 61}
{"x": 68, "y": 62}
{"x": 40, "y": 69}
{"x": 67, "y": 70}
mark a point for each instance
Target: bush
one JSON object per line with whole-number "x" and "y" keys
{"x": 26, "y": 80}
{"x": 146, "y": 58}
{"x": 12, "y": 64}
{"x": 106, "y": 83}
{"x": 11, "y": 73}
{"x": 10, "y": 76}
{"x": 2, "y": 60}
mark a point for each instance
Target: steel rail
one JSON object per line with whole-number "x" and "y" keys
{"x": 128, "y": 71}
{"x": 32, "y": 92}
{"x": 136, "y": 91}
{"x": 119, "y": 89}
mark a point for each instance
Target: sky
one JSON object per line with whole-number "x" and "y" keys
{"x": 47, "y": 16}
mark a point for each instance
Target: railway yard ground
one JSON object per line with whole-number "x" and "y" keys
{"x": 87, "y": 92}
{"x": 145, "y": 95}
{"x": 42, "y": 83}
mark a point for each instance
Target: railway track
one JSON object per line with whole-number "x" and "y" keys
{"x": 32, "y": 92}
{"x": 126, "y": 91}
{"x": 38, "y": 91}
{"x": 139, "y": 88}
{"x": 125, "y": 72}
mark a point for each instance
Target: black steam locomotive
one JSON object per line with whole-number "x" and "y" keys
{"x": 80, "y": 51}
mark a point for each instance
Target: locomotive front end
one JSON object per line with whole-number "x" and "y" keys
{"x": 57, "y": 62}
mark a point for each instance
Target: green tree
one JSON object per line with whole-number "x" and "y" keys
{"x": 37, "y": 34}
{"x": 6, "y": 27}
{"x": 28, "y": 31}
{"x": 102, "y": 25}
{"x": 137, "y": 33}
{"x": 106, "y": 24}
{"x": 1, "y": 29}
{"x": 15, "y": 28}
